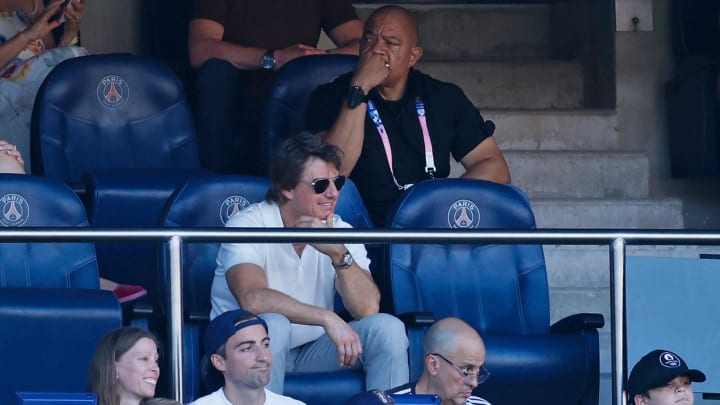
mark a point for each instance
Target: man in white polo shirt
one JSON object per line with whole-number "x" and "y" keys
{"x": 292, "y": 285}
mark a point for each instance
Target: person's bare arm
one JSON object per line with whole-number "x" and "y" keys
{"x": 348, "y": 131}
{"x": 360, "y": 295}
{"x": 205, "y": 42}
{"x": 346, "y": 37}
{"x": 355, "y": 285}
{"x": 486, "y": 162}
{"x": 73, "y": 16}
{"x": 39, "y": 29}
{"x": 249, "y": 285}
{"x": 11, "y": 160}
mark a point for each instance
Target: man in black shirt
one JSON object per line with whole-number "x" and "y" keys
{"x": 396, "y": 125}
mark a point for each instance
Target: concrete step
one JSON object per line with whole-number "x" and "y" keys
{"x": 531, "y": 84}
{"x": 579, "y": 174}
{"x": 570, "y": 174}
{"x": 579, "y": 279}
{"x": 473, "y": 32}
{"x": 608, "y": 213}
{"x": 587, "y": 130}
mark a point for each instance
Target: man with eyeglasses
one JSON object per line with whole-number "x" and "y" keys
{"x": 661, "y": 377}
{"x": 454, "y": 364}
{"x": 292, "y": 285}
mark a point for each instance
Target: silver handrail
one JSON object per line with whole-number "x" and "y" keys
{"x": 616, "y": 239}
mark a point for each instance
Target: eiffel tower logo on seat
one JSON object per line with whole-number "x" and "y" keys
{"x": 113, "y": 95}
{"x": 15, "y": 210}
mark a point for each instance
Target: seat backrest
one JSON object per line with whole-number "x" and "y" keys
{"x": 53, "y": 333}
{"x": 112, "y": 111}
{"x": 287, "y": 102}
{"x": 33, "y": 201}
{"x": 207, "y": 202}
{"x": 350, "y": 207}
{"x": 498, "y": 288}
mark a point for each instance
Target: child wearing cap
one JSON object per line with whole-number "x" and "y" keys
{"x": 661, "y": 377}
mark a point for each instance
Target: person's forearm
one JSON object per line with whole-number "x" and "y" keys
{"x": 11, "y": 48}
{"x": 348, "y": 133}
{"x": 239, "y": 56}
{"x": 360, "y": 295}
{"x": 493, "y": 169}
{"x": 351, "y": 48}
{"x": 267, "y": 300}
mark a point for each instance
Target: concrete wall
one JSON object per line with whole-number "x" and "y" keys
{"x": 644, "y": 63}
{"x": 113, "y": 26}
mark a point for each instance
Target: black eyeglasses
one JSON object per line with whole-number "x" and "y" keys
{"x": 320, "y": 185}
{"x": 481, "y": 375}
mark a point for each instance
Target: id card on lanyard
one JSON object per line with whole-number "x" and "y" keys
{"x": 429, "y": 159}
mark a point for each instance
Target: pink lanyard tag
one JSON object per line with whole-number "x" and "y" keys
{"x": 429, "y": 159}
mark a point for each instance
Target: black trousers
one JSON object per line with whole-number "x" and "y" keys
{"x": 229, "y": 122}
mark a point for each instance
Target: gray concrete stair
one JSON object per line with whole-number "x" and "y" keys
{"x": 549, "y": 130}
{"x": 465, "y": 32}
{"x": 579, "y": 174}
{"x": 531, "y": 84}
{"x": 608, "y": 213}
{"x": 568, "y": 174}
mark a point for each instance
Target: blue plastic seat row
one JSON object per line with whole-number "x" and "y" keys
{"x": 100, "y": 107}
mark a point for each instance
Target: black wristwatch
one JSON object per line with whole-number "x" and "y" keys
{"x": 268, "y": 61}
{"x": 355, "y": 96}
{"x": 346, "y": 262}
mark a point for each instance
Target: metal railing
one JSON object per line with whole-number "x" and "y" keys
{"x": 616, "y": 240}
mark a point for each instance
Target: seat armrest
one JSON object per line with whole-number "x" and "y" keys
{"x": 417, "y": 319}
{"x": 578, "y": 322}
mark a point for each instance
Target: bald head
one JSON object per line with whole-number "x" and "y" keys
{"x": 403, "y": 15}
{"x": 446, "y": 334}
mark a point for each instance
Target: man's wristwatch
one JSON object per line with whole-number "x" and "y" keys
{"x": 268, "y": 61}
{"x": 346, "y": 262}
{"x": 355, "y": 96}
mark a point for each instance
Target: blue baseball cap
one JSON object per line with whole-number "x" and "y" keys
{"x": 225, "y": 325}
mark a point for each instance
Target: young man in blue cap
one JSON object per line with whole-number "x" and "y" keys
{"x": 239, "y": 347}
{"x": 661, "y": 377}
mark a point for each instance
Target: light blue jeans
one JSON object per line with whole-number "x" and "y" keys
{"x": 384, "y": 357}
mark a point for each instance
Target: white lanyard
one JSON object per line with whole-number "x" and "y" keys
{"x": 429, "y": 160}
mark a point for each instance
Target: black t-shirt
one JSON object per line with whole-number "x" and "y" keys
{"x": 455, "y": 126}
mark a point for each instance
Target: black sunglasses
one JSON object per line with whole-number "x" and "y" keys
{"x": 321, "y": 185}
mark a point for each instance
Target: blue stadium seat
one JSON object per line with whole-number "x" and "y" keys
{"x": 52, "y": 312}
{"x": 115, "y": 111}
{"x": 287, "y": 102}
{"x": 122, "y": 126}
{"x": 207, "y": 202}
{"x": 500, "y": 290}
{"x": 132, "y": 199}
{"x": 204, "y": 202}
{"x": 48, "y": 337}
{"x": 32, "y": 201}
